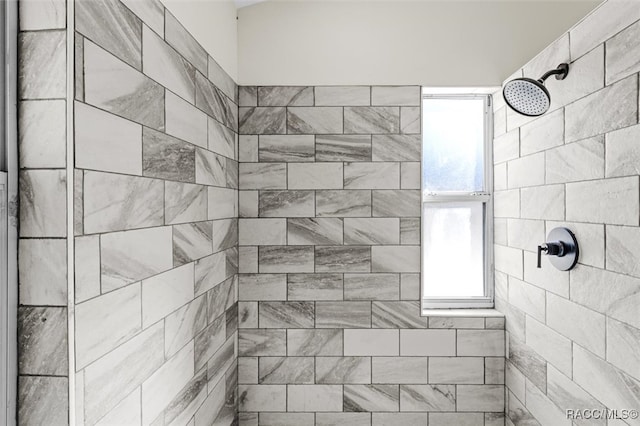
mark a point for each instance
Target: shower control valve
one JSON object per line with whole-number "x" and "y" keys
{"x": 562, "y": 247}
{"x": 551, "y": 249}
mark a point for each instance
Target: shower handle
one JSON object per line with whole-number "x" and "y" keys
{"x": 552, "y": 249}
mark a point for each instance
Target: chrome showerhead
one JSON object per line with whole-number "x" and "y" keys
{"x": 529, "y": 97}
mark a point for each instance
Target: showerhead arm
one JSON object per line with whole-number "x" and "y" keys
{"x": 561, "y": 73}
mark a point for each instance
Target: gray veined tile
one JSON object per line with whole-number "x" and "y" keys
{"x": 566, "y": 393}
{"x": 262, "y": 287}
{"x": 487, "y": 398}
{"x": 218, "y": 76}
{"x": 458, "y": 322}
{"x": 343, "y": 314}
{"x": 191, "y": 241}
{"x": 312, "y": 342}
{"x": 262, "y": 342}
{"x": 128, "y": 411}
{"x": 167, "y": 67}
{"x": 184, "y": 202}
{"x": 408, "y": 419}
{"x": 166, "y": 292}
{"x": 178, "y": 37}
{"x": 285, "y": 259}
{"x": 207, "y": 343}
{"x": 395, "y": 95}
{"x": 212, "y": 101}
{"x": 343, "y": 148}
{"x": 343, "y": 95}
{"x": 410, "y": 173}
{"x": 248, "y": 203}
{"x": 410, "y": 120}
{"x": 622, "y": 154}
{"x": 166, "y": 157}
{"x": 225, "y": 234}
{"x": 182, "y": 325}
{"x": 409, "y": 286}
{"x": 221, "y": 139}
{"x": 42, "y": 65}
{"x": 247, "y": 96}
{"x": 263, "y": 176}
{"x": 410, "y": 230}
{"x": 231, "y": 318}
{"x": 185, "y": 121}
{"x": 337, "y": 419}
{"x": 315, "y": 175}
{"x": 222, "y": 203}
{"x": 403, "y": 370}
{"x": 314, "y": 231}
{"x": 314, "y": 397}
{"x": 314, "y": 287}
{"x": 457, "y": 370}
{"x": 619, "y": 63}
{"x": 371, "y": 120}
{"x": 532, "y": 365}
{"x": 371, "y": 231}
{"x": 233, "y": 173}
{"x": 285, "y": 148}
{"x": 151, "y": 12}
{"x": 427, "y": 342}
{"x": 111, "y": 25}
{"x": 212, "y": 270}
{"x": 286, "y": 314}
{"x": 263, "y": 120}
{"x": 286, "y": 203}
{"x": 78, "y": 44}
{"x": 274, "y": 96}
{"x": 42, "y": 203}
{"x": 287, "y": 419}
{"x": 37, "y": 15}
{"x": 262, "y": 398}
{"x": 314, "y": 120}
{"x": 371, "y": 286}
{"x": 286, "y": 370}
{"x": 43, "y": 400}
{"x": 427, "y": 397}
{"x": 396, "y": 147}
{"x": 371, "y": 398}
{"x": 406, "y": 314}
{"x": 42, "y": 341}
{"x": 396, "y": 203}
{"x": 349, "y": 203}
{"x": 339, "y": 370}
{"x": 42, "y": 134}
{"x": 78, "y": 178}
{"x": 110, "y": 199}
{"x": 186, "y": 402}
{"x": 210, "y": 168}
{"x": 343, "y": 259}
{"x": 395, "y": 258}
{"x": 367, "y": 175}
{"x": 43, "y": 261}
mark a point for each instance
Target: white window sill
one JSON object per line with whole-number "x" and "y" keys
{"x": 463, "y": 313}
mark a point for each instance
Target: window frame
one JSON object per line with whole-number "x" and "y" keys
{"x": 486, "y": 197}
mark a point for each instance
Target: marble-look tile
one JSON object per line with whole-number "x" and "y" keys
{"x": 185, "y": 404}
{"x": 343, "y": 148}
{"x": 507, "y": 146}
{"x": 395, "y": 95}
{"x": 410, "y": 120}
{"x": 279, "y": 96}
{"x": 218, "y": 76}
{"x": 285, "y": 370}
{"x": 185, "y": 121}
{"x": 611, "y": 108}
{"x": 337, "y": 419}
{"x": 543, "y": 202}
{"x": 42, "y": 65}
{"x": 248, "y": 148}
{"x": 166, "y": 157}
{"x": 286, "y": 203}
{"x": 487, "y": 398}
{"x": 42, "y": 341}
{"x": 410, "y": 231}
{"x": 343, "y": 314}
{"x": 78, "y": 47}
{"x": 262, "y": 287}
{"x": 178, "y": 37}
{"x": 541, "y": 134}
{"x": 526, "y": 171}
{"x": 184, "y": 202}
{"x": 78, "y": 177}
{"x": 212, "y": 101}
{"x": 372, "y": 231}
{"x": 395, "y": 203}
{"x": 403, "y": 370}
{"x": 314, "y": 287}
{"x": 427, "y": 398}
{"x": 314, "y": 231}
{"x": 222, "y": 203}
{"x": 365, "y": 342}
{"x": 343, "y": 203}
{"x": 404, "y": 314}
{"x": 232, "y": 172}
{"x": 287, "y": 419}
{"x": 554, "y": 347}
{"x": 528, "y": 362}
{"x": 263, "y": 176}
{"x": 314, "y": 120}
{"x": 277, "y": 259}
{"x": 343, "y": 258}
{"x": 528, "y": 298}
{"x": 43, "y": 203}
{"x": 343, "y": 95}
{"x": 339, "y": 370}
{"x": 151, "y": 12}
{"x": 410, "y": 286}
{"x": 427, "y": 342}
{"x": 109, "y": 200}
{"x": 248, "y": 315}
{"x": 371, "y": 398}
{"x": 248, "y": 260}
{"x": 211, "y": 271}
{"x": 247, "y": 96}
{"x": 210, "y": 168}
{"x": 121, "y": 371}
{"x": 115, "y": 87}
{"x": 623, "y": 342}
{"x": 619, "y": 63}
{"x": 494, "y": 370}
{"x": 263, "y": 120}
{"x": 589, "y": 331}
{"x": 97, "y": 333}
{"x": 611, "y": 201}
{"x": 212, "y": 407}
{"x": 225, "y": 234}
{"x": 191, "y": 241}
{"x": 130, "y": 256}
{"x": 522, "y": 233}
{"x": 566, "y": 393}
{"x": 43, "y": 400}
{"x": 221, "y": 139}
{"x": 182, "y": 325}
{"x": 410, "y": 175}
{"x": 37, "y": 15}
{"x": 314, "y": 398}
{"x": 248, "y": 203}
{"x": 262, "y": 342}
{"x": 285, "y": 148}
{"x": 371, "y": 286}
{"x": 248, "y": 370}
{"x": 395, "y": 259}
{"x": 457, "y": 322}
{"x": 622, "y": 155}
{"x": 409, "y": 419}
{"x": 371, "y": 120}
{"x": 315, "y": 175}
{"x": 106, "y": 142}
{"x": 456, "y": 370}
{"x": 509, "y": 260}
{"x": 87, "y": 267}
{"x": 166, "y": 292}
{"x": 396, "y": 147}
{"x": 42, "y": 135}
{"x": 128, "y": 411}
{"x": 42, "y": 272}
{"x": 167, "y": 67}
{"x": 314, "y": 342}
{"x": 286, "y": 314}
{"x": 372, "y": 175}
{"x": 207, "y": 342}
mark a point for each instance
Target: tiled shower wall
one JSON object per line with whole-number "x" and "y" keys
{"x": 329, "y": 240}
{"x": 573, "y": 337}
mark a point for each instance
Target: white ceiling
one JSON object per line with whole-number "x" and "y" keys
{"x": 245, "y": 3}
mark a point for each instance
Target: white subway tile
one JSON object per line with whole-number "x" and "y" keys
{"x": 612, "y": 201}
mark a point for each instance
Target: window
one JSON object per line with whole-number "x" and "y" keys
{"x": 456, "y": 201}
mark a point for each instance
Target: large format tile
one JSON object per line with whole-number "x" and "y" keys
{"x": 342, "y": 95}
{"x": 427, "y": 398}
{"x": 285, "y": 148}
{"x": 263, "y": 342}
{"x": 263, "y": 176}
{"x": 263, "y": 121}
{"x": 166, "y": 157}
{"x": 343, "y": 203}
{"x": 396, "y": 147}
{"x": 285, "y": 203}
{"x": 42, "y": 65}
{"x": 341, "y": 370}
{"x": 191, "y": 241}
{"x": 262, "y": 398}
{"x": 36, "y": 15}
{"x": 43, "y": 400}
{"x": 622, "y": 154}
{"x": 286, "y": 370}
{"x": 395, "y": 95}
{"x": 487, "y": 398}
{"x": 222, "y": 203}
{"x": 42, "y": 341}
{"x": 42, "y": 272}
{"x": 222, "y": 139}
{"x": 212, "y": 101}
{"x": 314, "y": 231}
{"x": 364, "y": 342}
{"x": 368, "y": 286}
{"x": 371, "y": 398}
{"x": 314, "y": 287}
{"x": 403, "y": 370}
{"x": 343, "y": 259}
{"x": 371, "y": 120}
{"x": 343, "y": 148}
{"x": 151, "y": 12}
{"x": 285, "y": 259}
{"x": 314, "y": 398}
{"x": 185, "y": 121}
{"x": 395, "y": 203}
{"x": 166, "y": 292}
{"x": 42, "y": 135}
{"x": 618, "y": 201}
{"x": 184, "y": 202}
{"x": 343, "y": 315}
{"x": 218, "y": 76}
{"x": 328, "y": 342}
{"x": 315, "y": 176}
{"x": 273, "y": 96}
{"x": 460, "y": 370}
{"x": 314, "y": 120}
{"x": 43, "y": 203}
{"x": 405, "y": 314}
{"x": 182, "y": 325}
{"x": 286, "y": 315}
{"x": 178, "y": 37}
{"x": 376, "y": 175}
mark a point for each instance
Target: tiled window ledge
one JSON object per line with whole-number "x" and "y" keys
{"x": 462, "y": 313}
